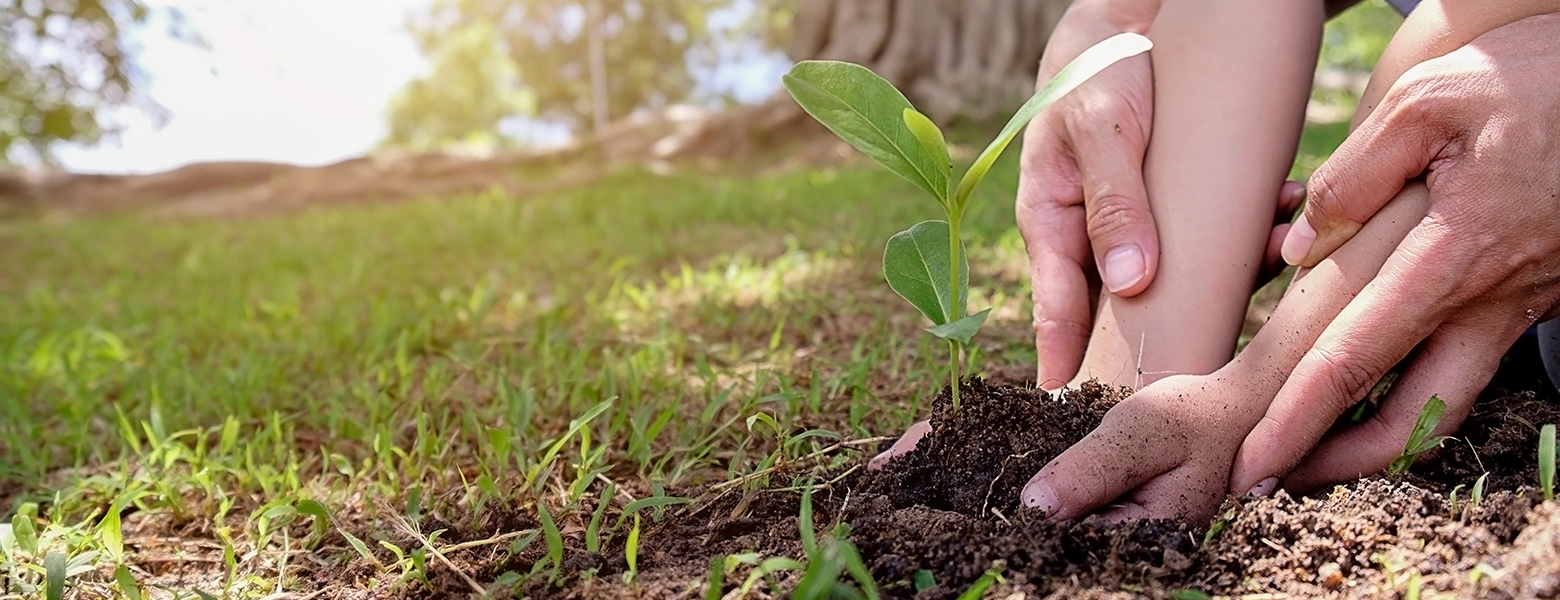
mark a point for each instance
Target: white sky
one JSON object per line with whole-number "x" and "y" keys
{"x": 299, "y": 81}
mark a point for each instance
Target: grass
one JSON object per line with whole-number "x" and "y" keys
{"x": 227, "y": 396}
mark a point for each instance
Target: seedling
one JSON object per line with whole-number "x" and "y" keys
{"x": 1546, "y": 461}
{"x": 1420, "y": 440}
{"x": 926, "y": 264}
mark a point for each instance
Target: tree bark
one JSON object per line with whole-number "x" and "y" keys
{"x": 953, "y": 58}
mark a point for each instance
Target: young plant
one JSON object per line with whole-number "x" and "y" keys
{"x": 926, "y": 264}
{"x": 1420, "y": 440}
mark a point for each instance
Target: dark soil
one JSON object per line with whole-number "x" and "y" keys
{"x": 950, "y": 509}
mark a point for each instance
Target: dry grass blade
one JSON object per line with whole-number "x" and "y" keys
{"x": 762, "y": 472}
{"x": 407, "y": 528}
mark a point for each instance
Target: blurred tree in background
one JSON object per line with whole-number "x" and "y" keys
{"x": 64, "y": 65}
{"x": 494, "y": 60}
{"x": 502, "y": 65}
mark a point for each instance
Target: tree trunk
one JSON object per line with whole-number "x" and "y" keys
{"x": 954, "y": 59}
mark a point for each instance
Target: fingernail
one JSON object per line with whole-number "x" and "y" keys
{"x": 1124, "y": 267}
{"x": 1264, "y": 488}
{"x": 1297, "y": 193}
{"x": 1298, "y": 243}
{"x": 1040, "y": 495}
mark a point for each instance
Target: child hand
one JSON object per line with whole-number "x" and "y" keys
{"x": 1163, "y": 452}
{"x": 1167, "y": 450}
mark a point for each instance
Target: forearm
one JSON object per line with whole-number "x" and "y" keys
{"x": 1437, "y": 27}
{"x": 1231, "y": 82}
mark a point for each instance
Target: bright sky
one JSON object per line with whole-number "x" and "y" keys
{"x": 299, "y": 81}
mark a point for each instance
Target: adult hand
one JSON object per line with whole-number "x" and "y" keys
{"x": 1082, "y": 207}
{"x": 1482, "y": 124}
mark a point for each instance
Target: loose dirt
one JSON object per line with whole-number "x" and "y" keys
{"x": 950, "y": 510}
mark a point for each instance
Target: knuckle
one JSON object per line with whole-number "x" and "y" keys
{"x": 1321, "y": 195}
{"x": 1100, "y": 113}
{"x": 1342, "y": 376}
{"x": 1051, "y": 327}
{"x": 1112, "y": 215}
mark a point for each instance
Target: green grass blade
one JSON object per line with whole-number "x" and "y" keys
{"x": 54, "y": 575}
{"x": 126, "y": 583}
{"x": 593, "y": 530}
{"x": 804, "y": 523}
{"x": 978, "y": 589}
{"x": 858, "y": 569}
{"x": 1086, "y": 65}
{"x": 823, "y": 572}
{"x": 717, "y": 581}
{"x": 554, "y": 537}
{"x": 867, "y": 112}
{"x": 1546, "y": 461}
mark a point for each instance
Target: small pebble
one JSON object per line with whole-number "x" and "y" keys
{"x": 1331, "y": 575}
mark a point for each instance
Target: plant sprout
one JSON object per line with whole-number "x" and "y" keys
{"x": 926, "y": 264}
{"x": 1420, "y": 440}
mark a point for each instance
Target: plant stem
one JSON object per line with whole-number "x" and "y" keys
{"x": 956, "y": 311}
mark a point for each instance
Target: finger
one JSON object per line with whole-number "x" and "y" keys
{"x": 1104, "y": 465}
{"x": 904, "y": 444}
{"x": 1192, "y": 492}
{"x": 1051, "y": 221}
{"x": 1120, "y": 222}
{"x": 1455, "y": 364}
{"x": 1393, "y": 313}
{"x": 1290, "y": 195}
{"x": 1272, "y": 257}
{"x": 1396, "y": 143}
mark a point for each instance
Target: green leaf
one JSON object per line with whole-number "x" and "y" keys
{"x": 633, "y": 508}
{"x": 1419, "y": 439}
{"x": 978, "y": 589}
{"x": 24, "y": 533}
{"x": 631, "y": 548}
{"x": 54, "y": 575}
{"x": 916, "y": 263}
{"x": 1086, "y": 65}
{"x": 127, "y": 584}
{"x": 868, "y": 113}
{"x": 361, "y": 548}
{"x": 961, "y": 330}
{"x": 932, "y": 142}
{"x": 924, "y": 580}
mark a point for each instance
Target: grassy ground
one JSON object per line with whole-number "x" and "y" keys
{"x": 194, "y": 407}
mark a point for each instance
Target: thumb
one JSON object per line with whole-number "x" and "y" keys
{"x": 1101, "y": 467}
{"x": 1120, "y": 222}
{"x": 1396, "y": 143}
